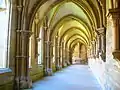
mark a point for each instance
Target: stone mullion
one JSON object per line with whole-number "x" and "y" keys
{"x": 92, "y": 49}
{"x": 32, "y": 48}
{"x": 95, "y": 49}
{"x": 45, "y": 63}
{"x": 36, "y": 42}
{"x": 103, "y": 46}
{"x": 58, "y": 49}
{"x": 70, "y": 55}
{"x": 56, "y": 53}
{"x": 60, "y": 63}
{"x": 65, "y": 57}
{"x": 51, "y": 55}
{"x": 79, "y": 50}
{"x": 49, "y": 67}
{"x": 44, "y": 51}
{"x": 63, "y": 61}
{"x": 102, "y": 42}
{"x": 99, "y": 48}
{"x": 98, "y": 45}
{"x": 60, "y": 55}
{"x": 64, "y": 54}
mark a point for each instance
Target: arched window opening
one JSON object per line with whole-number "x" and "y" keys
{"x": 30, "y": 51}
{"x": 5, "y": 11}
{"x": 54, "y": 53}
{"x": 40, "y": 47}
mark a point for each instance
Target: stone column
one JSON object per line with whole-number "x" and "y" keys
{"x": 56, "y": 53}
{"x": 60, "y": 56}
{"x": 98, "y": 45}
{"x": 114, "y": 14}
{"x": 63, "y": 60}
{"x": 45, "y": 49}
{"x": 102, "y": 42}
{"x": 22, "y": 78}
{"x": 93, "y": 49}
{"x": 48, "y": 58}
{"x": 79, "y": 50}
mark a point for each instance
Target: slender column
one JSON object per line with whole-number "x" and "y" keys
{"x": 98, "y": 45}
{"x": 56, "y": 53}
{"x": 45, "y": 49}
{"x": 93, "y": 49}
{"x": 68, "y": 57}
{"x": 79, "y": 50}
{"x": 48, "y": 58}
{"x": 102, "y": 42}
{"x": 60, "y": 57}
{"x": 51, "y": 56}
{"x": 115, "y": 15}
{"x": 63, "y": 60}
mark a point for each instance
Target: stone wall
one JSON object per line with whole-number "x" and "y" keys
{"x": 98, "y": 68}
{"x": 107, "y": 73}
{"x": 112, "y": 65}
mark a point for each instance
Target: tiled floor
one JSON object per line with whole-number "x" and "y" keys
{"x": 75, "y": 77}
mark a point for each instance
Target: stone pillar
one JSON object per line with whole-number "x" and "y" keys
{"x": 93, "y": 49}
{"x": 70, "y": 55}
{"x": 63, "y": 60}
{"x": 56, "y": 53}
{"x": 102, "y": 42}
{"x": 114, "y": 14}
{"x": 98, "y": 45}
{"x": 79, "y": 50}
{"x": 22, "y": 77}
{"x": 64, "y": 55}
{"x": 45, "y": 49}
{"x": 60, "y": 56}
{"x": 48, "y": 58}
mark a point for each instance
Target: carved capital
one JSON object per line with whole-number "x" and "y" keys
{"x": 114, "y": 13}
{"x": 101, "y": 30}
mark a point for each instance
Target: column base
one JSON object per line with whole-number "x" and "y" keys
{"x": 58, "y": 67}
{"x": 23, "y": 83}
{"x": 64, "y": 65}
{"x": 48, "y": 72}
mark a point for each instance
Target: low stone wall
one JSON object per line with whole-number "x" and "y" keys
{"x": 98, "y": 68}
{"x": 6, "y": 81}
{"x": 36, "y": 73}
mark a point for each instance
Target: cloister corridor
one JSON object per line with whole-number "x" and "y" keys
{"x": 59, "y": 44}
{"x": 74, "y": 77}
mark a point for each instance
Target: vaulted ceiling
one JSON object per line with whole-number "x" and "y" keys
{"x": 72, "y": 20}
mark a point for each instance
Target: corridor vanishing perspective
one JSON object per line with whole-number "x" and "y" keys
{"x": 60, "y": 44}
{"x": 75, "y": 77}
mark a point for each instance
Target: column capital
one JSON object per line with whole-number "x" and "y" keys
{"x": 101, "y": 30}
{"x": 48, "y": 42}
{"x": 114, "y": 13}
{"x": 38, "y": 39}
